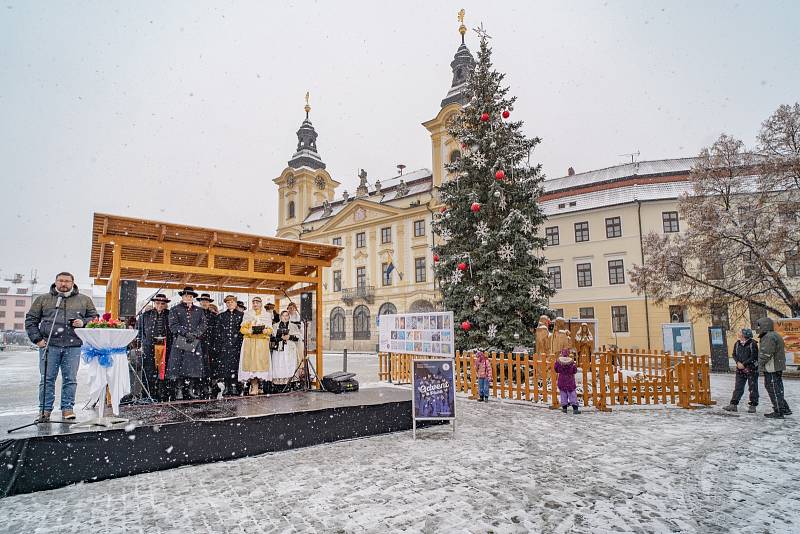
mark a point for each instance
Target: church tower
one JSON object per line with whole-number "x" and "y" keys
{"x": 444, "y": 149}
{"x": 304, "y": 184}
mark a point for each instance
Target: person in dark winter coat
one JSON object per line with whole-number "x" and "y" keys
{"x": 207, "y": 340}
{"x": 156, "y": 340}
{"x": 62, "y": 309}
{"x": 566, "y": 368}
{"x": 745, "y": 354}
{"x": 772, "y": 362}
{"x": 228, "y": 347}
{"x": 187, "y": 323}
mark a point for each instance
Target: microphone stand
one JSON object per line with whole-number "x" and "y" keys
{"x": 304, "y": 363}
{"x": 39, "y": 420}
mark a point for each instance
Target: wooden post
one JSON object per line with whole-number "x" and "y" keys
{"x": 319, "y": 319}
{"x": 114, "y": 285}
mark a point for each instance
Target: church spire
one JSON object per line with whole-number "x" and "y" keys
{"x": 462, "y": 64}
{"x": 306, "y": 154}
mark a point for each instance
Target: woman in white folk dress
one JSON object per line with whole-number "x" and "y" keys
{"x": 255, "y": 362}
{"x": 284, "y": 354}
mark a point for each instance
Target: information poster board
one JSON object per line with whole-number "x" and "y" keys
{"x": 424, "y": 334}
{"x": 789, "y": 329}
{"x": 678, "y": 337}
{"x": 434, "y": 391}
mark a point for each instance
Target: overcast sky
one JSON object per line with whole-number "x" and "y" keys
{"x": 186, "y": 111}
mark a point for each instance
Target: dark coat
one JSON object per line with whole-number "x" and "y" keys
{"x": 209, "y": 343}
{"x": 566, "y": 374}
{"x": 43, "y": 310}
{"x": 747, "y": 355}
{"x": 189, "y": 323}
{"x": 772, "y": 347}
{"x": 228, "y": 344}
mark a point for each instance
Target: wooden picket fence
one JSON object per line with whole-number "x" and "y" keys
{"x": 605, "y": 379}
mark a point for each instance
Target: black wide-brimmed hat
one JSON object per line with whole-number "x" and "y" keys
{"x": 161, "y": 297}
{"x": 188, "y": 290}
{"x": 240, "y": 304}
{"x": 206, "y": 297}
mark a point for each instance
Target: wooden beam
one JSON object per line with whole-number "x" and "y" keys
{"x": 102, "y": 247}
{"x": 187, "y": 269}
{"x": 116, "y": 269}
{"x": 218, "y": 251}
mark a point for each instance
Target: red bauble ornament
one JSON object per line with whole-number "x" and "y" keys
{"x": 506, "y": 114}
{"x": 500, "y": 175}
{"x": 436, "y": 258}
{"x": 462, "y": 266}
{"x": 465, "y": 326}
{"x": 484, "y": 117}
{"x": 442, "y": 209}
{"x": 475, "y": 207}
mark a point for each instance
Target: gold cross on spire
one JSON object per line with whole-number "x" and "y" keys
{"x": 461, "y": 29}
{"x": 307, "y": 107}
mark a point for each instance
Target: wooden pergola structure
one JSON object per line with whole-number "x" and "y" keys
{"x": 164, "y": 255}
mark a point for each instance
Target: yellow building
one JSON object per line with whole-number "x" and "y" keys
{"x": 595, "y": 225}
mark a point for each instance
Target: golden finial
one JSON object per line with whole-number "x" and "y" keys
{"x": 307, "y": 107}
{"x": 461, "y": 29}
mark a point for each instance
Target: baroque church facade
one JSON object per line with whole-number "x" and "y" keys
{"x": 594, "y": 231}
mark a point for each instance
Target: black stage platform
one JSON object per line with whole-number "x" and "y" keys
{"x": 161, "y": 436}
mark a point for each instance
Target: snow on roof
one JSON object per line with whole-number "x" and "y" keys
{"x": 418, "y": 181}
{"x": 615, "y": 196}
{"x": 618, "y": 172}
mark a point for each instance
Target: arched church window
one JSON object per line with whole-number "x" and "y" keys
{"x": 291, "y": 209}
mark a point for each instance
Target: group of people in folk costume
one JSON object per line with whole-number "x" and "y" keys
{"x": 193, "y": 352}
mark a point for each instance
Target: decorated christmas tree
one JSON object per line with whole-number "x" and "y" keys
{"x": 489, "y": 261}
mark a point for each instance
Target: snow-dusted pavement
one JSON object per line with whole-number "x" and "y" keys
{"x": 510, "y": 468}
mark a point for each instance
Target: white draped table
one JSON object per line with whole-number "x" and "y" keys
{"x": 105, "y": 354}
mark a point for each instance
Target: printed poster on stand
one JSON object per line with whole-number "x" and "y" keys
{"x": 434, "y": 393}
{"x": 422, "y": 334}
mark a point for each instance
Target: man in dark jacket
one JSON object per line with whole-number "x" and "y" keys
{"x": 187, "y": 323}
{"x": 63, "y": 309}
{"x": 228, "y": 339}
{"x": 772, "y": 362}
{"x": 745, "y": 354}
{"x": 154, "y": 328}
{"x": 207, "y": 340}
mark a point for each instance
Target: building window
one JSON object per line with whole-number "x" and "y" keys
{"x": 616, "y": 272}
{"x": 670, "y": 220}
{"x": 361, "y": 277}
{"x": 551, "y": 235}
{"x": 361, "y": 323}
{"x": 419, "y": 228}
{"x": 2, "y": 302}
{"x": 19, "y": 315}
{"x": 291, "y": 209}
{"x": 2, "y": 314}
{"x": 19, "y": 326}
{"x": 386, "y": 235}
{"x": 586, "y": 313}
{"x": 674, "y": 268}
{"x": 554, "y": 274}
{"x": 337, "y": 241}
{"x": 613, "y": 227}
{"x": 677, "y": 314}
{"x": 361, "y": 240}
{"x": 714, "y": 268}
{"x": 337, "y": 281}
{"x": 337, "y": 323}
{"x": 584, "y": 275}
{"x": 20, "y": 302}
{"x": 455, "y": 155}
{"x": 581, "y": 232}
{"x": 719, "y": 316}
{"x": 419, "y": 270}
{"x": 619, "y": 318}
{"x": 386, "y": 275}
{"x": 793, "y": 263}
{"x": 22, "y": 291}
{"x": 559, "y": 312}
{"x": 387, "y": 308}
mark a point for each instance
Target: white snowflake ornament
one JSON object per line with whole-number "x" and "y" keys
{"x": 492, "y": 331}
{"x": 482, "y": 230}
{"x": 534, "y": 293}
{"x": 478, "y": 159}
{"x": 446, "y": 234}
{"x": 506, "y": 252}
{"x": 457, "y": 276}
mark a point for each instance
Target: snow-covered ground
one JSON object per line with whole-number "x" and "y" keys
{"x": 509, "y": 468}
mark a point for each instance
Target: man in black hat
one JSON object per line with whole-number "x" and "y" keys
{"x": 240, "y": 306}
{"x": 228, "y": 339}
{"x": 187, "y": 323}
{"x": 155, "y": 334}
{"x": 207, "y": 340}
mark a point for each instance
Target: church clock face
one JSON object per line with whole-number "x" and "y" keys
{"x": 320, "y": 183}
{"x": 290, "y": 182}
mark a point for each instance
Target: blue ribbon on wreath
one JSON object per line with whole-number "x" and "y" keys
{"x": 103, "y": 355}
